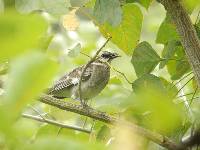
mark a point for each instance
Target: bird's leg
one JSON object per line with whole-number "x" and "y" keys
{"x": 84, "y": 104}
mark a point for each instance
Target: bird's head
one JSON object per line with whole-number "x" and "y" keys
{"x": 108, "y": 56}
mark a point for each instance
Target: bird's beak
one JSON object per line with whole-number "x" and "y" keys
{"x": 117, "y": 56}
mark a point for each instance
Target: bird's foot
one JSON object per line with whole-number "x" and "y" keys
{"x": 85, "y": 105}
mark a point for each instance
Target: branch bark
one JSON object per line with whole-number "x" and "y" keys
{"x": 188, "y": 35}
{"x": 101, "y": 116}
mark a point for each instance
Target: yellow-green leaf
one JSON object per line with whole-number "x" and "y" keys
{"x": 19, "y": 33}
{"x": 127, "y": 34}
{"x": 29, "y": 75}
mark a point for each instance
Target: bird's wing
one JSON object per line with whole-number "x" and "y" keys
{"x": 72, "y": 78}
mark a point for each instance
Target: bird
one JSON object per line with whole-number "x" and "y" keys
{"x": 94, "y": 79}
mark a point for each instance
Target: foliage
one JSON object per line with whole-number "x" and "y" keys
{"x": 37, "y": 49}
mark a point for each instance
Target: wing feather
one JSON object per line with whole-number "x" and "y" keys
{"x": 71, "y": 79}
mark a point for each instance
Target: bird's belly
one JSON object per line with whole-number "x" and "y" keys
{"x": 91, "y": 89}
{"x": 94, "y": 90}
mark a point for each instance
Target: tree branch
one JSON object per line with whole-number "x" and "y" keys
{"x": 188, "y": 35}
{"x": 52, "y": 122}
{"x": 101, "y": 116}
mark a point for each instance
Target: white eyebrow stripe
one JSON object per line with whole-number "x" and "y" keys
{"x": 98, "y": 64}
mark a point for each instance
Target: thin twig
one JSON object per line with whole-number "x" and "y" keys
{"x": 85, "y": 55}
{"x": 120, "y": 73}
{"x": 193, "y": 95}
{"x": 182, "y": 79}
{"x": 86, "y": 66}
{"x": 183, "y": 86}
{"x": 185, "y": 95}
{"x": 52, "y": 122}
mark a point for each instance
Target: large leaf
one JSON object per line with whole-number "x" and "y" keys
{"x": 19, "y": 33}
{"x": 144, "y": 59}
{"x": 167, "y": 32}
{"x": 127, "y": 34}
{"x": 29, "y": 75}
{"x": 108, "y": 11}
{"x": 57, "y": 7}
{"x": 144, "y": 3}
{"x": 146, "y": 82}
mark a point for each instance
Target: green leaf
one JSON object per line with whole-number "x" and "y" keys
{"x": 191, "y": 4}
{"x": 144, "y": 59}
{"x": 58, "y": 7}
{"x": 29, "y": 75}
{"x": 167, "y": 32}
{"x": 61, "y": 143}
{"x": 155, "y": 110}
{"x": 127, "y": 34}
{"x": 182, "y": 67}
{"x": 108, "y": 11}
{"x": 144, "y": 3}
{"x": 179, "y": 66}
{"x": 75, "y": 50}
{"x": 19, "y": 33}
{"x": 169, "y": 52}
{"x": 146, "y": 82}
{"x": 104, "y": 133}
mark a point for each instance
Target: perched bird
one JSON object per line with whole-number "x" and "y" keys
{"x": 94, "y": 79}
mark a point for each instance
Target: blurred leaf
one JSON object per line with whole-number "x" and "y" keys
{"x": 75, "y": 50}
{"x": 4, "y": 68}
{"x": 104, "y": 134}
{"x": 191, "y": 4}
{"x": 156, "y": 110}
{"x": 28, "y": 76}
{"x": 70, "y": 21}
{"x": 45, "y": 41}
{"x": 127, "y": 34}
{"x": 115, "y": 80}
{"x": 61, "y": 143}
{"x": 167, "y": 32}
{"x": 25, "y": 129}
{"x": 9, "y": 3}
{"x": 168, "y": 52}
{"x": 144, "y": 3}
{"x": 108, "y": 11}
{"x": 19, "y": 33}
{"x": 58, "y": 7}
{"x": 144, "y": 59}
